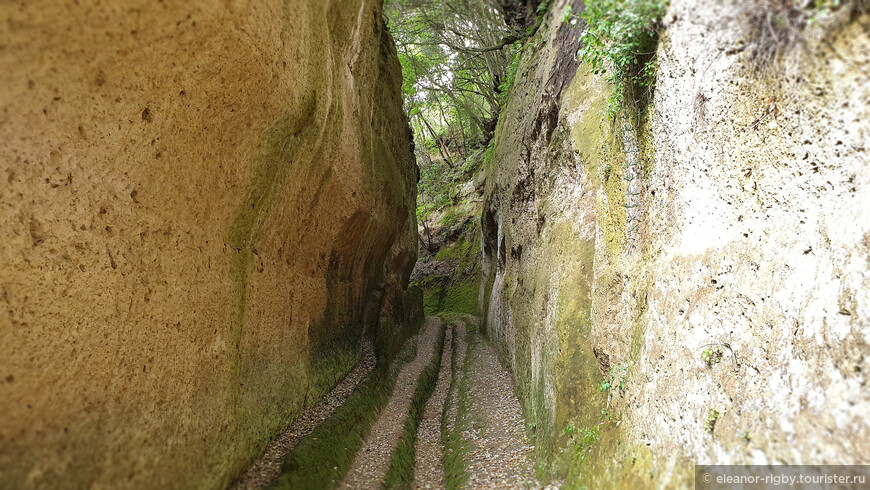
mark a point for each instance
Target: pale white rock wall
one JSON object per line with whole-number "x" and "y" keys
{"x": 747, "y": 224}
{"x": 760, "y": 225}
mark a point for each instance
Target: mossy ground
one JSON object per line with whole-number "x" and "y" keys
{"x": 323, "y": 457}
{"x": 328, "y": 367}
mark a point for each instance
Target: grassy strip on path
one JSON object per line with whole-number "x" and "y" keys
{"x": 401, "y": 472}
{"x": 324, "y": 456}
{"x": 455, "y": 447}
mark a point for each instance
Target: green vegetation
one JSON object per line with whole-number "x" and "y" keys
{"x": 322, "y": 458}
{"x": 458, "y": 292}
{"x": 714, "y": 352}
{"x": 401, "y": 472}
{"x": 326, "y": 369}
{"x": 489, "y": 152}
{"x": 455, "y": 56}
{"x": 615, "y": 380}
{"x": 440, "y": 193}
{"x": 587, "y": 436}
{"x": 441, "y": 294}
{"x": 581, "y": 442}
{"x": 459, "y": 60}
{"x": 620, "y": 41}
{"x": 710, "y": 419}
{"x": 712, "y": 355}
{"x": 462, "y": 296}
{"x": 507, "y": 84}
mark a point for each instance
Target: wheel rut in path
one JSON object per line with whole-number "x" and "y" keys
{"x": 428, "y": 468}
{"x": 268, "y": 467}
{"x": 461, "y": 348}
{"x": 373, "y": 458}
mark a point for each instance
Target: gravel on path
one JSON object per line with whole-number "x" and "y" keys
{"x": 268, "y": 467}
{"x": 373, "y": 458}
{"x": 500, "y": 455}
{"x": 429, "y": 470}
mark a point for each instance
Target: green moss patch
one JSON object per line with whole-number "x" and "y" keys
{"x": 462, "y": 297}
{"x": 322, "y": 458}
{"x": 328, "y": 367}
{"x": 458, "y": 293}
{"x": 440, "y": 294}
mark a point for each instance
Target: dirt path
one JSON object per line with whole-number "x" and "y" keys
{"x": 428, "y": 470}
{"x": 373, "y": 459}
{"x": 495, "y": 452}
{"x": 267, "y": 468}
{"x": 500, "y": 448}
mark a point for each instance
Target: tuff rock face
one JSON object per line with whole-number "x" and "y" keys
{"x": 735, "y": 213}
{"x": 203, "y": 207}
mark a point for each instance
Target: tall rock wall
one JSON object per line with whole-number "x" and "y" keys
{"x": 203, "y": 207}
{"x": 734, "y": 216}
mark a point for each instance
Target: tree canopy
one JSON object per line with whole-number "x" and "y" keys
{"x": 455, "y": 56}
{"x": 458, "y": 59}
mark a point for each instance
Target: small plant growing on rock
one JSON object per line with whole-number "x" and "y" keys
{"x": 569, "y": 429}
{"x": 710, "y": 420}
{"x": 582, "y": 441}
{"x": 744, "y": 436}
{"x": 620, "y": 40}
{"x": 586, "y": 437}
{"x": 714, "y": 352}
{"x": 712, "y": 355}
{"x": 531, "y": 427}
{"x": 607, "y": 170}
{"x": 616, "y": 379}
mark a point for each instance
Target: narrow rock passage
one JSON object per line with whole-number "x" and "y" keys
{"x": 267, "y": 468}
{"x": 428, "y": 470}
{"x": 500, "y": 452}
{"x": 373, "y": 459}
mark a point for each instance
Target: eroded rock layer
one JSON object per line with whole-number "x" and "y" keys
{"x": 203, "y": 206}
